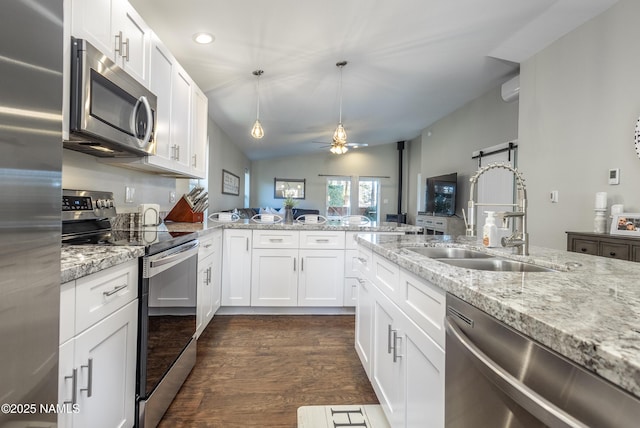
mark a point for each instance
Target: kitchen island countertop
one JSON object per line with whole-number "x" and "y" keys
{"x": 588, "y": 311}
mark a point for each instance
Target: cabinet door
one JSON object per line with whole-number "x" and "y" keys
{"x": 91, "y": 20}
{"x": 216, "y": 277}
{"x": 105, "y": 357}
{"x": 274, "y": 277}
{"x": 364, "y": 323}
{"x": 422, "y": 362}
{"x": 205, "y": 293}
{"x": 386, "y": 373}
{"x": 321, "y": 278}
{"x": 236, "y": 273}
{"x": 350, "y": 292}
{"x": 133, "y": 56}
{"x": 67, "y": 379}
{"x": 160, "y": 81}
{"x": 199, "y": 133}
{"x": 181, "y": 118}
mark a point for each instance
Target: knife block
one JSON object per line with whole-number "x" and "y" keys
{"x": 182, "y": 212}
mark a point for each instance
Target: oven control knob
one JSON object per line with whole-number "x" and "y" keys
{"x": 109, "y": 203}
{"x": 101, "y": 203}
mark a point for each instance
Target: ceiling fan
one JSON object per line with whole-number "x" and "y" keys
{"x": 349, "y": 145}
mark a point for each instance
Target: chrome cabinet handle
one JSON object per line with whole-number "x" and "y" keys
{"x": 209, "y": 275}
{"x": 195, "y": 160}
{"x": 538, "y": 406}
{"x": 126, "y": 55}
{"x": 89, "y": 368}
{"x": 395, "y": 346}
{"x": 362, "y": 260}
{"x": 275, "y": 239}
{"x": 247, "y": 243}
{"x": 115, "y": 290}
{"x": 301, "y": 264}
{"x": 322, "y": 240}
{"x": 389, "y": 346}
{"x": 74, "y": 386}
{"x": 118, "y": 47}
{"x": 361, "y": 281}
{"x": 294, "y": 265}
{"x": 177, "y": 152}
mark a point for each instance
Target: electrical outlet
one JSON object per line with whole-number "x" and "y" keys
{"x": 553, "y": 196}
{"x": 172, "y": 196}
{"x": 129, "y": 193}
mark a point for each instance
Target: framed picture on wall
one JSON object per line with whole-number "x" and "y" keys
{"x": 284, "y": 188}
{"x": 626, "y": 224}
{"x": 230, "y": 183}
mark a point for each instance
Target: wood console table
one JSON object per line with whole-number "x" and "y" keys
{"x": 605, "y": 245}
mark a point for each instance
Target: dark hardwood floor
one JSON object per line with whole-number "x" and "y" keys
{"x": 255, "y": 371}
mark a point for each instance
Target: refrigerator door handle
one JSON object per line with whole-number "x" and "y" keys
{"x": 538, "y": 406}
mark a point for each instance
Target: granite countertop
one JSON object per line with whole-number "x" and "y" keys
{"x": 82, "y": 260}
{"x": 248, "y": 224}
{"x": 588, "y": 311}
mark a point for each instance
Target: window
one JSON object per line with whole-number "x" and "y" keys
{"x": 369, "y": 198}
{"x": 338, "y": 197}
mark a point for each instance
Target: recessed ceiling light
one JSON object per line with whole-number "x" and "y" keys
{"x": 203, "y": 38}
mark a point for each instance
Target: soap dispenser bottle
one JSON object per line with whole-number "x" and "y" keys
{"x": 490, "y": 231}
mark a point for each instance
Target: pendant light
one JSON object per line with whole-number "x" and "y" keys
{"x": 257, "y": 132}
{"x": 339, "y": 145}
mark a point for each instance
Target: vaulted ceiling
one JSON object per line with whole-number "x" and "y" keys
{"x": 410, "y": 62}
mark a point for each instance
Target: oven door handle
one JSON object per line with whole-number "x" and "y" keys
{"x": 534, "y": 403}
{"x": 178, "y": 256}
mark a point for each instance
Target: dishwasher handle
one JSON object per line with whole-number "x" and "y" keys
{"x": 534, "y": 403}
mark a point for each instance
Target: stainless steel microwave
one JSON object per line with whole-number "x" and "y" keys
{"x": 111, "y": 113}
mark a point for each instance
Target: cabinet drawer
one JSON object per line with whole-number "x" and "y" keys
{"x": 386, "y": 275}
{"x": 585, "y": 246}
{"x": 425, "y": 304}
{"x": 365, "y": 261}
{"x": 206, "y": 247}
{"x": 101, "y": 294}
{"x": 351, "y": 263}
{"x": 322, "y": 240}
{"x": 635, "y": 253}
{"x": 275, "y": 239}
{"x": 614, "y": 251}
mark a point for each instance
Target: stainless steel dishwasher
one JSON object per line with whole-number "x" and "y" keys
{"x": 495, "y": 377}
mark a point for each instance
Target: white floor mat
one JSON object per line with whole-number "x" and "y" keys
{"x": 370, "y": 416}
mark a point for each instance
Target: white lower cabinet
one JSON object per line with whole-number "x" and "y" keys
{"x": 236, "y": 274}
{"x": 209, "y": 277}
{"x": 321, "y": 278}
{"x": 97, "y": 364}
{"x": 404, "y": 362}
{"x": 274, "y": 277}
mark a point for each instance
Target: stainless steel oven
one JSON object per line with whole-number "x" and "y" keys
{"x": 111, "y": 113}
{"x": 167, "y": 347}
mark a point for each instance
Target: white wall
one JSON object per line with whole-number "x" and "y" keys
{"x": 85, "y": 172}
{"x": 579, "y": 102}
{"x": 223, "y": 154}
{"x": 447, "y": 145}
{"x": 370, "y": 161}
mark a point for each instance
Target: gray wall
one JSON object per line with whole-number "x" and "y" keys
{"x": 447, "y": 145}
{"x": 579, "y": 102}
{"x": 223, "y": 154}
{"x": 379, "y": 161}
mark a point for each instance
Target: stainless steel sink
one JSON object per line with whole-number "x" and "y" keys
{"x": 496, "y": 265}
{"x": 448, "y": 253}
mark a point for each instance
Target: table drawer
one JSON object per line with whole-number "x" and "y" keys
{"x": 101, "y": 294}
{"x": 585, "y": 246}
{"x": 322, "y": 240}
{"x": 614, "y": 251}
{"x": 275, "y": 239}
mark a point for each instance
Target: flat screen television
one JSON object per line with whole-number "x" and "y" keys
{"x": 441, "y": 194}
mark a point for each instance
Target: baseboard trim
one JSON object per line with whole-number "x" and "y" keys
{"x": 250, "y": 310}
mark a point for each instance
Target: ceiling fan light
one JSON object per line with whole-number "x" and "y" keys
{"x": 257, "y": 132}
{"x": 340, "y": 135}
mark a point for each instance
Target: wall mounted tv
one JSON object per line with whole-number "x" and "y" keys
{"x": 441, "y": 194}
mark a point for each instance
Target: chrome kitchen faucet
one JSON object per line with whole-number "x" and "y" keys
{"x": 520, "y": 238}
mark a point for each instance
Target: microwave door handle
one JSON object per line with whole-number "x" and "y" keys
{"x": 147, "y": 136}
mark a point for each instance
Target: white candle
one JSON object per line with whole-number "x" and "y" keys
{"x": 601, "y": 200}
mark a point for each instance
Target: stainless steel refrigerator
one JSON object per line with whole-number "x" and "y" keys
{"x": 31, "y": 42}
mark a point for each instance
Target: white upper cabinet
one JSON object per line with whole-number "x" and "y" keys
{"x": 199, "y": 133}
{"x": 116, "y": 29}
{"x": 181, "y": 117}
